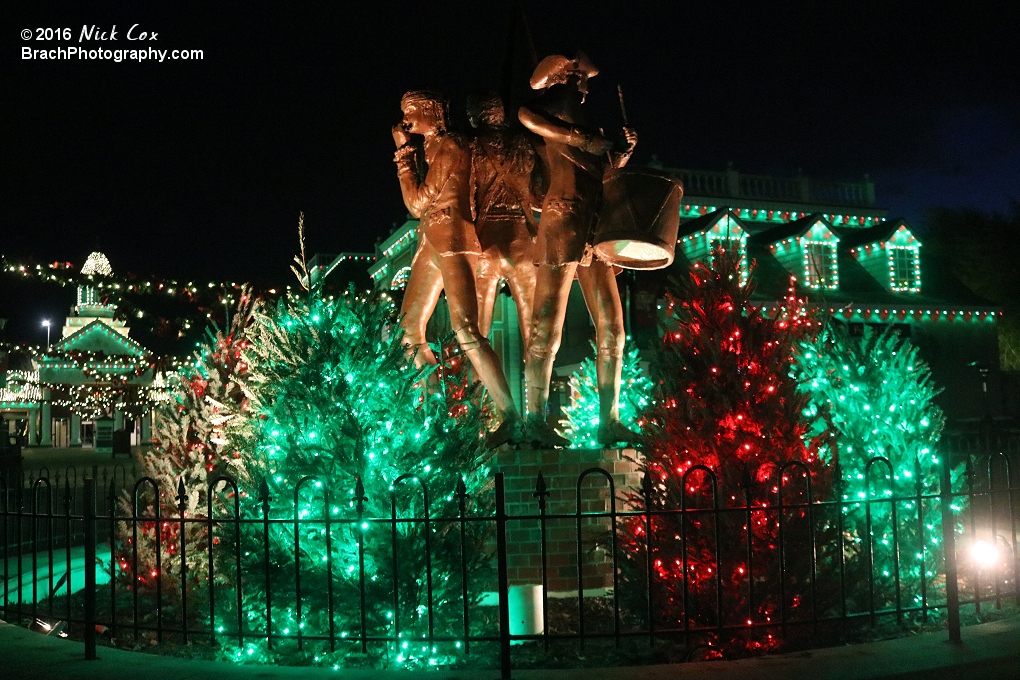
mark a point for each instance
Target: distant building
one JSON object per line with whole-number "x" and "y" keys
{"x": 848, "y": 258}
{"x": 342, "y": 270}
{"x": 855, "y": 264}
{"x": 94, "y": 368}
{"x": 19, "y": 397}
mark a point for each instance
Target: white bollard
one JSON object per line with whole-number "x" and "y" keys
{"x": 525, "y": 610}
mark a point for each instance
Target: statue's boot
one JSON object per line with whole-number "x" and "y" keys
{"x": 614, "y": 432}
{"x": 542, "y": 434}
{"x": 510, "y": 431}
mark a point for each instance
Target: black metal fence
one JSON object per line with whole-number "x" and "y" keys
{"x": 722, "y": 568}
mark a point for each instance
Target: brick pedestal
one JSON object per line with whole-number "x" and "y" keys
{"x": 561, "y": 471}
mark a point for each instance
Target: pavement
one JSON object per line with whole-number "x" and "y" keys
{"x": 989, "y": 651}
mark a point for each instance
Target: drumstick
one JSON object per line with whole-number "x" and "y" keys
{"x": 623, "y": 109}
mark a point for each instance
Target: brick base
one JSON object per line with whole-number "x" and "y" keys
{"x": 561, "y": 471}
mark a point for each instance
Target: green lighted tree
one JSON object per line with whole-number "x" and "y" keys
{"x": 339, "y": 426}
{"x": 875, "y": 398}
{"x": 581, "y": 425}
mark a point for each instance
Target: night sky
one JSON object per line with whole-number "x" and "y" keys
{"x": 200, "y": 168}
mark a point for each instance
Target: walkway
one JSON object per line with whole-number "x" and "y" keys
{"x": 990, "y": 651}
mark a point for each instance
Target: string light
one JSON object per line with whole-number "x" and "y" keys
{"x": 723, "y": 400}
{"x": 332, "y": 394}
{"x": 724, "y": 232}
{"x": 688, "y": 211}
{"x": 22, "y": 390}
{"x": 399, "y": 280}
{"x": 895, "y": 261}
{"x": 893, "y": 314}
{"x": 812, "y": 254}
{"x": 96, "y": 264}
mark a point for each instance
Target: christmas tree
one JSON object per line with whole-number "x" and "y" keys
{"x": 725, "y": 418}
{"x": 876, "y": 397}
{"x": 724, "y": 398}
{"x": 341, "y": 435}
{"x": 191, "y": 451}
{"x": 581, "y": 425}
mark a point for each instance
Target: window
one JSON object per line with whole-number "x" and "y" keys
{"x": 903, "y": 269}
{"x": 399, "y": 281}
{"x": 820, "y": 265}
{"x": 730, "y": 245}
{"x": 734, "y": 247}
{"x": 87, "y": 296}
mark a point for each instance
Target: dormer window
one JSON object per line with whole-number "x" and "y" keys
{"x": 701, "y": 237}
{"x": 730, "y": 245}
{"x": 892, "y": 254}
{"x": 807, "y": 248}
{"x": 736, "y": 247}
{"x": 820, "y": 265}
{"x": 904, "y": 268}
{"x": 399, "y": 281}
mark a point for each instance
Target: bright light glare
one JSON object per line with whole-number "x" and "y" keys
{"x": 46, "y": 322}
{"x": 985, "y": 554}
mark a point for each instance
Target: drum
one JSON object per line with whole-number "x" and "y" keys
{"x": 639, "y": 218}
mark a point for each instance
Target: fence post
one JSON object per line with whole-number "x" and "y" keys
{"x": 89, "y": 518}
{"x": 949, "y": 548}
{"x": 504, "y": 581}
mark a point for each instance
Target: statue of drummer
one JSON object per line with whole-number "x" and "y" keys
{"x": 576, "y": 158}
{"x": 447, "y": 244}
{"x": 505, "y": 179}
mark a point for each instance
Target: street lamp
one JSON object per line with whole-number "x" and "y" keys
{"x": 46, "y": 322}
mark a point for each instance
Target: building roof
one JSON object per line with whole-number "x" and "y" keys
{"x": 86, "y": 339}
{"x": 939, "y": 288}
{"x": 880, "y": 233}
{"x": 707, "y": 221}
{"x": 796, "y": 228}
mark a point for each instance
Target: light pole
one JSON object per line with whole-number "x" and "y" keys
{"x": 46, "y": 322}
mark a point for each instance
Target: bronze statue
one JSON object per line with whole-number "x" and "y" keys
{"x": 573, "y": 155}
{"x": 503, "y": 168}
{"x": 447, "y": 244}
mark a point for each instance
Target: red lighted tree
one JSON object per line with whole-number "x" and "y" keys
{"x": 724, "y": 396}
{"x": 191, "y": 449}
{"x": 725, "y": 417}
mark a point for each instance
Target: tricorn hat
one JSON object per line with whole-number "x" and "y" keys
{"x": 555, "y": 69}
{"x": 418, "y": 96}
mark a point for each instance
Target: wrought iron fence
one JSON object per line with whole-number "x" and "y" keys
{"x": 753, "y": 563}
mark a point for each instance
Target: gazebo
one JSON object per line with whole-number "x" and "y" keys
{"x": 95, "y": 373}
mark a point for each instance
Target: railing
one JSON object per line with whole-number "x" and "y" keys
{"x": 703, "y": 183}
{"x": 733, "y": 184}
{"x": 776, "y": 560}
{"x": 772, "y": 188}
